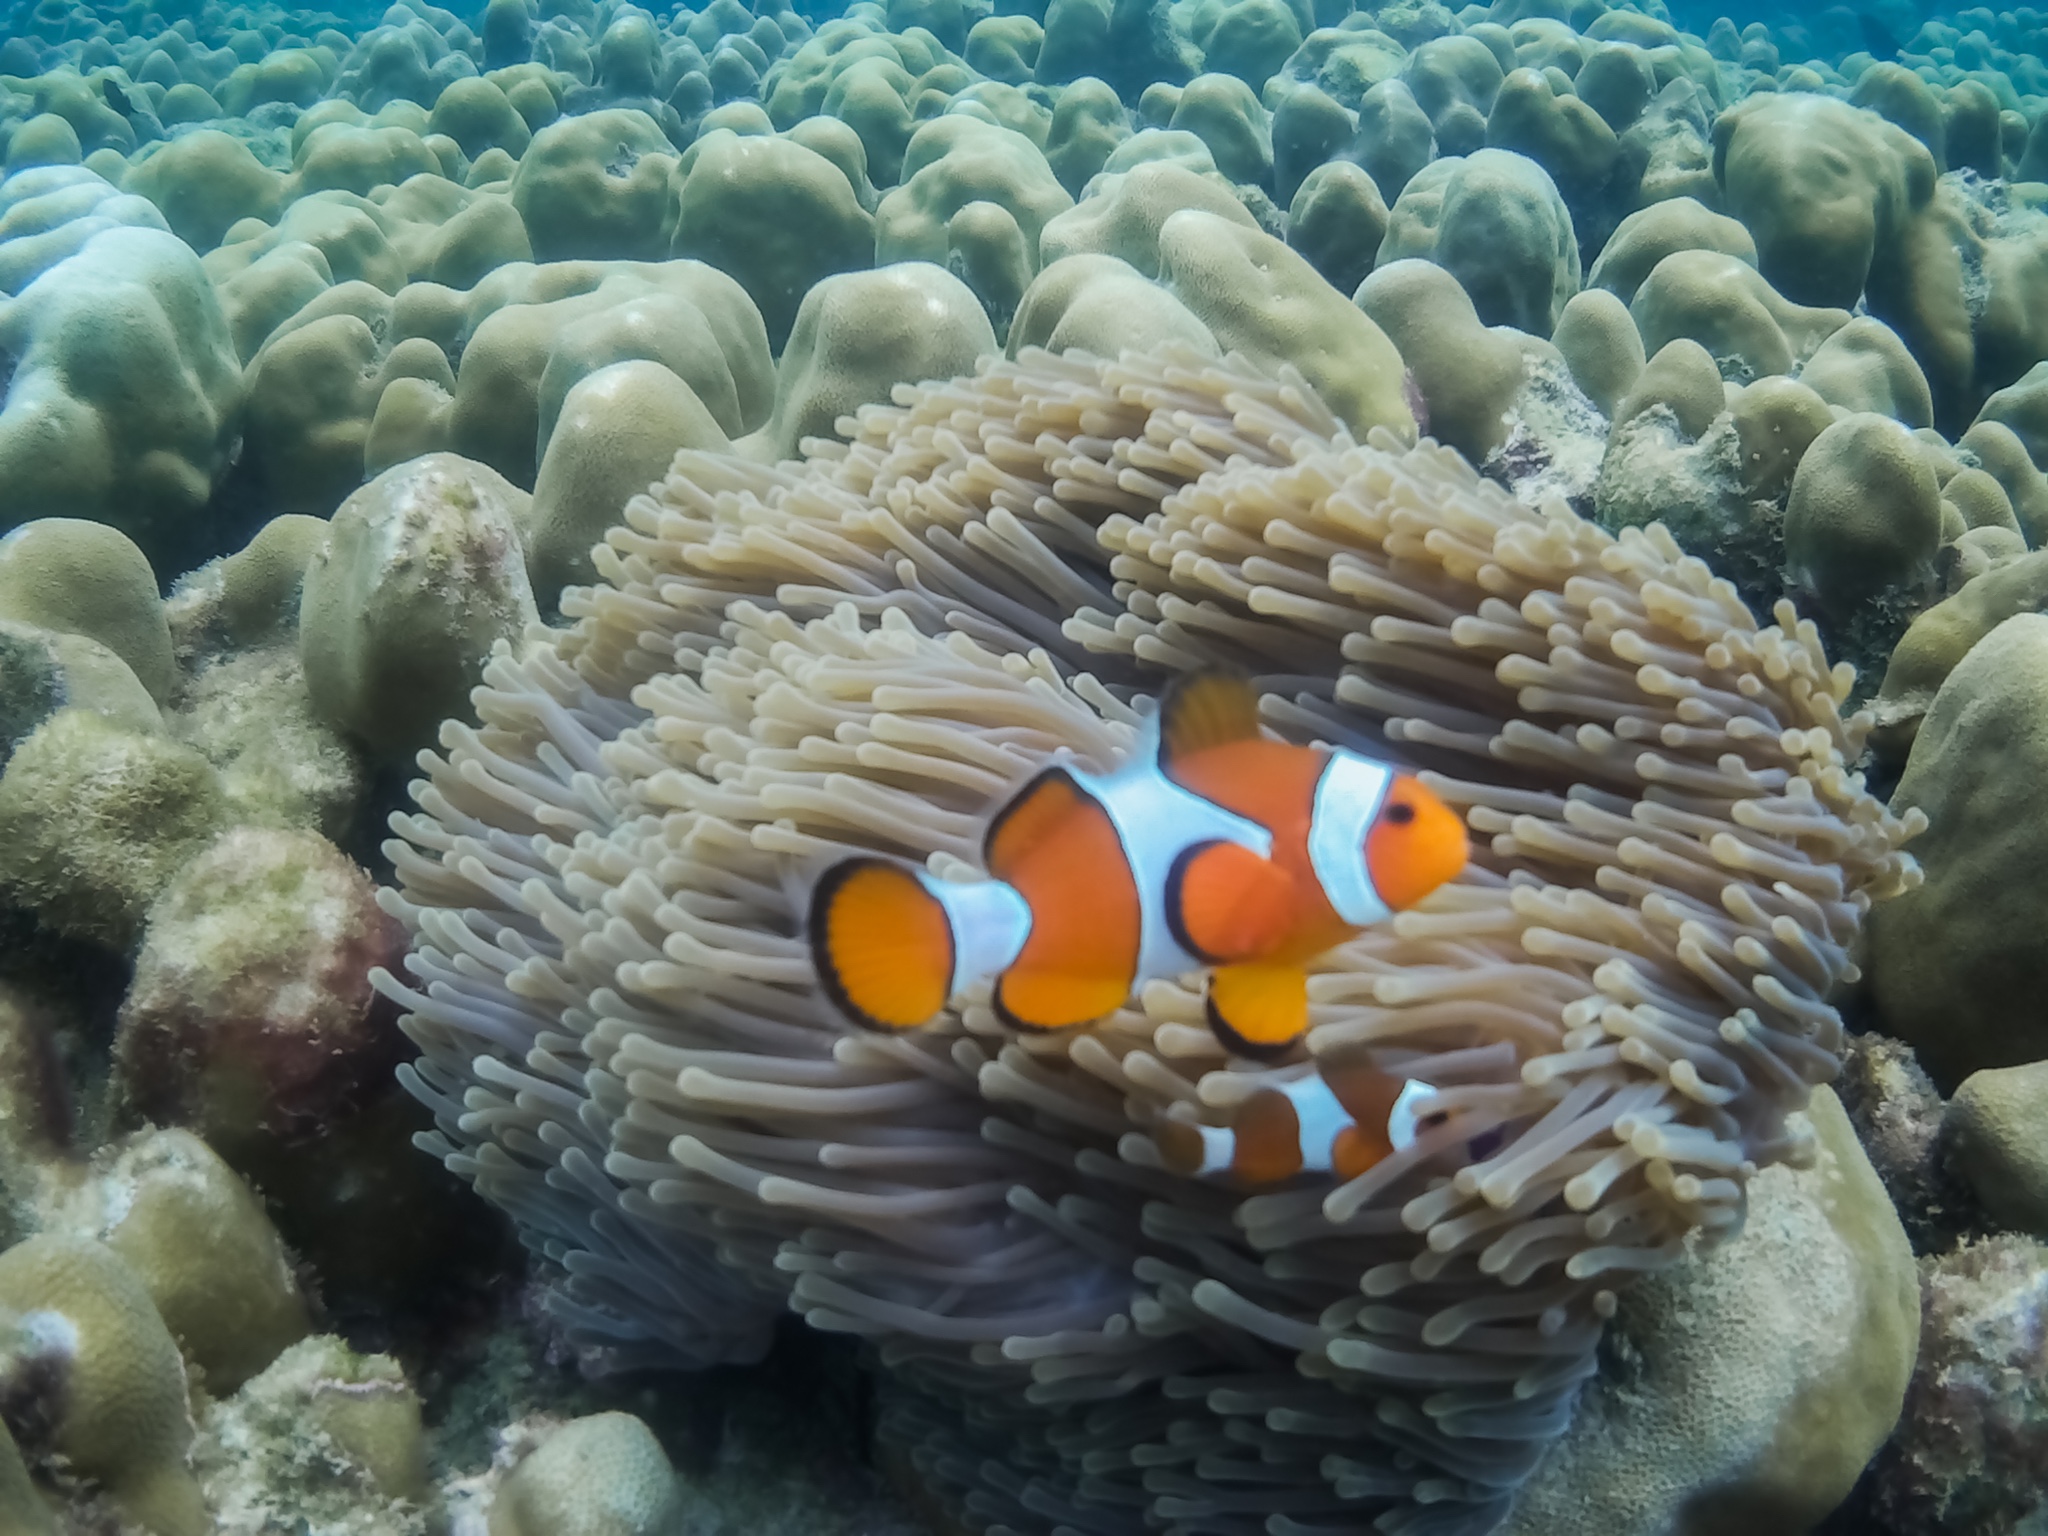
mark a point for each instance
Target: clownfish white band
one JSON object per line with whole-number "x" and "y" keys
{"x": 1156, "y": 821}
{"x": 1348, "y": 796}
{"x": 1408, "y": 1110}
{"x": 990, "y": 921}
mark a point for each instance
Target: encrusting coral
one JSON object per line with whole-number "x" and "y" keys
{"x": 1621, "y": 1001}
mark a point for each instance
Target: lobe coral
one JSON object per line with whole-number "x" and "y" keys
{"x": 1621, "y": 999}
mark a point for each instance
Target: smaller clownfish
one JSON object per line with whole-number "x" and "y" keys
{"x": 1212, "y": 848}
{"x": 1338, "y": 1120}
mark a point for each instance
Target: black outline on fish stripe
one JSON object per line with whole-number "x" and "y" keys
{"x": 1011, "y": 1021}
{"x": 822, "y": 898}
{"x": 1174, "y": 907}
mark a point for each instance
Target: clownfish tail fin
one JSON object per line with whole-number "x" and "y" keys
{"x": 893, "y": 946}
{"x": 882, "y": 944}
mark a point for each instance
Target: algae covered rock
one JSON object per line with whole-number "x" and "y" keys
{"x": 250, "y": 1018}
{"x": 421, "y": 574}
{"x": 43, "y": 671}
{"x": 279, "y": 765}
{"x": 1974, "y": 1437}
{"x": 249, "y": 598}
{"x": 95, "y": 819}
{"x": 1753, "y": 1381}
{"x": 325, "y": 1438}
{"x": 21, "y": 1506}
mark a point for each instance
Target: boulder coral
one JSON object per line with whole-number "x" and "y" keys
{"x": 420, "y": 573}
{"x": 76, "y": 438}
{"x": 92, "y": 1364}
{"x": 1495, "y": 221}
{"x": 1705, "y": 1410}
{"x": 605, "y": 1475}
{"x": 199, "y": 1241}
{"x": 1625, "y": 997}
{"x": 1949, "y": 961}
{"x": 1992, "y": 1128}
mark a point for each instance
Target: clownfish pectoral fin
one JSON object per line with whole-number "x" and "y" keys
{"x": 882, "y": 943}
{"x": 1202, "y": 710}
{"x": 1226, "y": 903}
{"x": 1257, "y": 1010}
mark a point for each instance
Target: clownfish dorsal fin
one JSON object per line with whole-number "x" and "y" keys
{"x": 1203, "y": 710}
{"x": 1029, "y": 817}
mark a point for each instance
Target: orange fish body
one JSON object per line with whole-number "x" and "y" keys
{"x": 1217, "y": 850}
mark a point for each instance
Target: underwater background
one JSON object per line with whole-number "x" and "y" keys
{"x": 492, "y": 499}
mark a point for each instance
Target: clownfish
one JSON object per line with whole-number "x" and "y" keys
{"x": 1338, "y": 1120}
{"x": 1211, "y": 848}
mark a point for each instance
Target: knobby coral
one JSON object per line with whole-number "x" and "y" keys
{"x": 1622, "y": 999}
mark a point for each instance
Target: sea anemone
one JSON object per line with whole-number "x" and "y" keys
{"x": 1621, "y": 1000}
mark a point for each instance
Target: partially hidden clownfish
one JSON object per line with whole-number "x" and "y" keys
{"x": 1211, "y": 848}
{"x": 1337, "y": 1120}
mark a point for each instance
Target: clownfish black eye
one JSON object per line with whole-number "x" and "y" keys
{"x": 1400, "y": 813}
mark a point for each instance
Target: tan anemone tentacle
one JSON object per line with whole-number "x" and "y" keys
{"x": 1619, "y": 1002}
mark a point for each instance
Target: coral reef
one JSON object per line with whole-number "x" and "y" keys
{"x": 337, "y": 350}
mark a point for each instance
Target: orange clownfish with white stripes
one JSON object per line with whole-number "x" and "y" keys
{"x": 1212, "y": 848}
